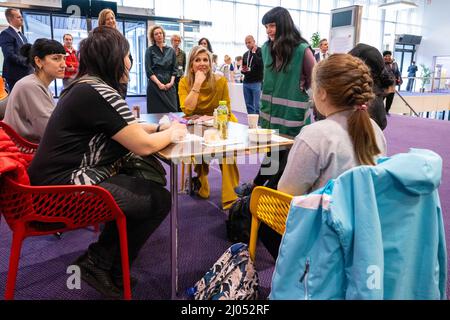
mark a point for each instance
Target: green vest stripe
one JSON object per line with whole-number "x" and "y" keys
{"x": 285, "y": 102}
{"x": 281, "y": 121}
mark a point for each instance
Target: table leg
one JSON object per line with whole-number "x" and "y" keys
{"x": 174, "y": 230}
{"x": 190, "y": 179}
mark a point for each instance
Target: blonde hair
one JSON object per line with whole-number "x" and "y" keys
{"x": 348, "y": 84}
{"x": 151, "y": 36}
{"x": 190, "y": 75}
{"x": 175, "y": 36}
{"x": 102, "y": 16}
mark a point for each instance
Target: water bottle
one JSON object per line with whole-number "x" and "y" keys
{"x": 222, "y": 119}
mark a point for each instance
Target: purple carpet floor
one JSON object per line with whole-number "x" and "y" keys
{"x": 202, "y": 235}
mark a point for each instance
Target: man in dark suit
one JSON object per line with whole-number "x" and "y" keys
{"x": 15, "y": 66}
{"x": 322, "y": 54}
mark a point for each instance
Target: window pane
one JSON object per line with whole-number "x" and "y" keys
{"x": 171, "y": 9}
{"x": 272, "y": 3}
{"x": 136, "y": 3}
{"x": 135, "y": 32}
{"x": 246, "y": 23}
{"x": 191, "y": 10}
{"x": 291, "y": 4}
{"x": 326, "y": 6}
{"x": 324, "y": 26}
{"x": 221, "y": 16}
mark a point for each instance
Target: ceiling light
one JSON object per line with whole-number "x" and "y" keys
{"x": 398, "y": 5}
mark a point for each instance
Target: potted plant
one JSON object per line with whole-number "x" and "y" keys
{"x": 315, "y": 39}
{"x": 425, "y": 76}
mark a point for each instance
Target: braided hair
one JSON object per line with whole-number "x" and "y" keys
{"x": 348, "y": 84}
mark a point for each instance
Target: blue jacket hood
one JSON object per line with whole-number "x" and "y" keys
{"x": 422, "y": 181}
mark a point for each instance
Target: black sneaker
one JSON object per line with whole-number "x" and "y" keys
{"x": 97, "y": 278}
{"x": 244, "y": 189}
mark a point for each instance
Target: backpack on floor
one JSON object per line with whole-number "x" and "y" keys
{"x": 239, "y": 221}
{"x": 232, "y": 277}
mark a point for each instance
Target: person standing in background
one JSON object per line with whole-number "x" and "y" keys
{"x": 412, "y": 69}
{"x": 106, "y": 17}
{"x": 393, "y": 69}
{"x": 181, "y": 62}
{"x": 227, "y": 68}
{"x": 323, "y": 51}
{"x": 382, "y": 80}
{"x": 15, "y": 65}
{"x": 71, "y": 60}
{"x": 205, "y": 43}
{"x": 253, "y": 70}
{"x": 237, "y": 69}
{"x": 161, "y": 70}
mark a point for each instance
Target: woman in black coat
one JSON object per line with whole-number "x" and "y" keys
{"x": 382, "y": 80}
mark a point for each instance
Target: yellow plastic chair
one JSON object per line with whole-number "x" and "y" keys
{"x": 271, "y": 207}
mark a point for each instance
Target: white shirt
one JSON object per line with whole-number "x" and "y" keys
{"x": 18, "y": 30}
{"x": 326, "y": 54}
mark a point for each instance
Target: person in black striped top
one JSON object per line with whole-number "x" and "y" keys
{"x": 88, "y": 137}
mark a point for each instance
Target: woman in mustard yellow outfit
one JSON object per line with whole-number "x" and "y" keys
{"x": 200, "y": 92}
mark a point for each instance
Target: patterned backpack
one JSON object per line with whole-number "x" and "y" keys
{"x": 232, "y": 277}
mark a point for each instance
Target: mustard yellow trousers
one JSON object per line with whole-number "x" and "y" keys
{"x": 230, "y": 180}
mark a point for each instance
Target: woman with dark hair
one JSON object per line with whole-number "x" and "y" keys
{"x": 204, "y": 42}
{"x": 382, "y": 80}
{"x": 161, "y": 69}
{"x": 31, "y": 102}
{"x": 288, "y": 63}
{"x": 89, "y": 137}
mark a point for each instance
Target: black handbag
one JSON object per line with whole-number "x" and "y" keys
{"x": 147, "y": 167}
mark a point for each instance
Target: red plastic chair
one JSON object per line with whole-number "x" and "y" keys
{"x": 28, "y": 147}
{"x": 43, "y": 210}
{"x": 24, "y": 145}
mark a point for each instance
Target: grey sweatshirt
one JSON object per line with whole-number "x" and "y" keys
{"x": 29, "y": 107}
{"x": 322, "y": 151}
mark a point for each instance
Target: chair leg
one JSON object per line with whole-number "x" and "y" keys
{"x": 16, "y": 246}
{"x": 122, "y": 227}
{"x": 253, "y": 238}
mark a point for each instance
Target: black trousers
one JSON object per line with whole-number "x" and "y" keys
{"x": 389, "y": 100}
{"x": 271, "y": 169}
{"x": 145, "y": 205}
{"x": 268, "y": 236}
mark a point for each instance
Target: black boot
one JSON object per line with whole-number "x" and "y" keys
{"x": 97, "y": 278}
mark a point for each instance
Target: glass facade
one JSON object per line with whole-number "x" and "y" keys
{"x": 54, "y": 26}
{"x": 232, "y": 20}
{"x": 226, "y": 23}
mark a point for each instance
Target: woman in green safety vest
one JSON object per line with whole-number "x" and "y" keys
{"x": 288, "y": 63}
